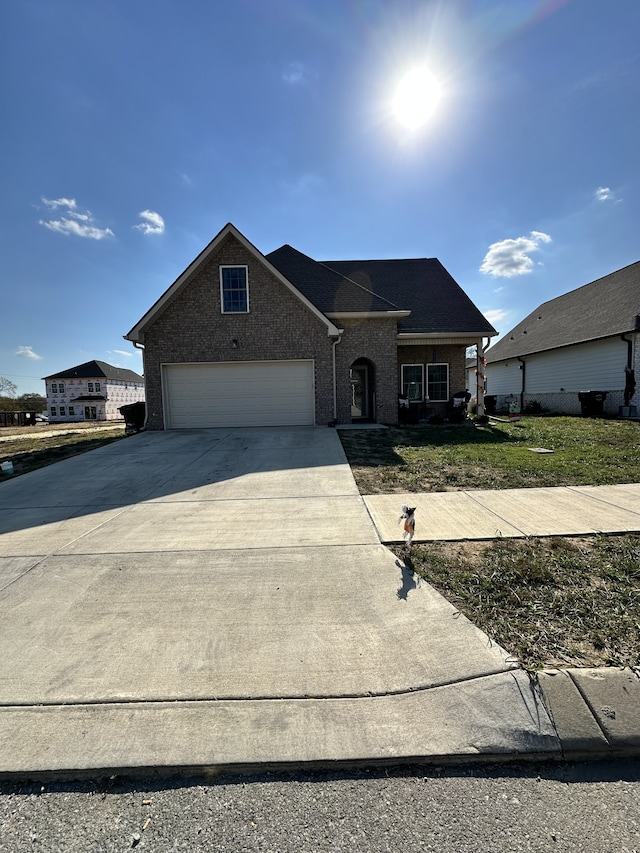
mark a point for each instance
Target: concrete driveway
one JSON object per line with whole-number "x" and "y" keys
{"x": 221, "y": 597}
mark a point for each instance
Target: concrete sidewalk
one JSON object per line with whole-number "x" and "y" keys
{"x": 486, "y": 514}
{"x": 220, "y": 598}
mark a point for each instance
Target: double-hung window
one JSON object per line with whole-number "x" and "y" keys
{"x": 234, "y": 290}
{"x": 438, "y": 382}
{"x": 90, "y": 387}
{"x": 54, "y": 387}
{"x": 413, "y": 381}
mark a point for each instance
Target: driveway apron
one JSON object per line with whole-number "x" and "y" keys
{"x": 221, "y": 597}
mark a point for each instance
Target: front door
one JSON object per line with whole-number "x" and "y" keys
{"x": 89, "y": 413}
{"x": 359, "y": 375}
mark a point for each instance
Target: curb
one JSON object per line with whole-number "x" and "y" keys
{"x": 596, "y": 712}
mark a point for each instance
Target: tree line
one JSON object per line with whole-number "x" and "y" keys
{"x": 11, "y": 402}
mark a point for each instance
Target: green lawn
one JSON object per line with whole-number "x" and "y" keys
{"x": 494, "y": 456}
{"x": 560, "y": 602}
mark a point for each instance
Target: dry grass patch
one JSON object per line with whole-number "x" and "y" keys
{"x": 32, "y": 451}
{"x": 563, "y": 602}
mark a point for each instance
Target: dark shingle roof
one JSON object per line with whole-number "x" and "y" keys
{"x": 422, "y": 285}
{"x": 93, "y": 369}
{"x": 327, "y": 289}
{"x": 605, "y": 307}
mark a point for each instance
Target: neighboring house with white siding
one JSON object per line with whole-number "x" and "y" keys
{"x": 585, "y": 340}
{"x": 93, "y": 391}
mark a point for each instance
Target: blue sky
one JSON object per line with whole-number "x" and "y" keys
{"x": 134, "y": 130}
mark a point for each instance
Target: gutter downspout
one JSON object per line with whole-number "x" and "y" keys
{"x": 335, "y": 343}
{"x": 629, "y": 350}
{"x": 522, "y": 388}
{"x": 138, "y": 345}
{"x": 481, "y": 376}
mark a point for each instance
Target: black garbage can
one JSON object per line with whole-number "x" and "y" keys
{"x": 134, "y": 415}
{"x": 592, "y": 403}
{"x": 490, "y": 401}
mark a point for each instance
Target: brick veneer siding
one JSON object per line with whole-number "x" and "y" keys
{"x": 374, "y": 340}
{"x": 192, "y": 328}
{"x": 425, "y": 354}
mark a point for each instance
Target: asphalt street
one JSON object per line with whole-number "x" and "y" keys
{"x": 587, "y": 808}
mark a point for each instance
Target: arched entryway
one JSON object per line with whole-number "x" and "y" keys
{"x": 362, "y": 377}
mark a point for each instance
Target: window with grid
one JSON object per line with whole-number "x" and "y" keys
{"x": 413, "y": 381}
{"x": 54, "y": 387}
{"x": 438, "y": 382}
{"x": 234, "y": 290}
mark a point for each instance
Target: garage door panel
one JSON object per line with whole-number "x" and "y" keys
{"x": 269, "y": 393}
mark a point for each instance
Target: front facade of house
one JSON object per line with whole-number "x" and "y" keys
{"x": 242, "y": 339}
{"x": 93, "y": 391}
{"x": 586, "y": 340}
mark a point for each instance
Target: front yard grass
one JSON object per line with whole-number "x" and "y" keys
{"x": 494, "y": 456}
{"x": 548, "y": 602}
{"x": 556, "y": 602}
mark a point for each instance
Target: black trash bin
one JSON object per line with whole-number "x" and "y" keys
{"x": 490, "y": 402}
{"x": 592, "y": 403}
{"x": 134, "y": 415}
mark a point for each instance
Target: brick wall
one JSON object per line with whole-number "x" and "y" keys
{"x": 374, "y": 340}
{"x": 429, "y": 353}
{"x": 191, "y": 328}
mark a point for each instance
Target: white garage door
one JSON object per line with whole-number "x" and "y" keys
{"x": 254, "y": 393}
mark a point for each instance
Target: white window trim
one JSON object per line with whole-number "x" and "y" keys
{"x": 246, "y": 278}
{"x": 443, "y": 399}
{"x": 402, "y": 382}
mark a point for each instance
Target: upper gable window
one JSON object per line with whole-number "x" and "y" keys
{"x": 234, "y": 290}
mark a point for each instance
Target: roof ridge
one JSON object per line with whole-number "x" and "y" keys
{"x": 357, "y": 284}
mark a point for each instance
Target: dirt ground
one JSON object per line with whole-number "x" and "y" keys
{"x": 47, "y": 430}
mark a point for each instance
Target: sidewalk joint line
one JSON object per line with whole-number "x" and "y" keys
{"x": 308, "y": 697}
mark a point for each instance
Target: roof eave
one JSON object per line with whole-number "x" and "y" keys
{"x": 136, "y": 334}
{"x": 367, "y": 315}
{"x": 435, "y": 335}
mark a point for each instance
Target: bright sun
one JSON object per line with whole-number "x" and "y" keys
{"x": 416, "y": 97}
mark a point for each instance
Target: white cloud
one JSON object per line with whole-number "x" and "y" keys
{"x": 152, "y": 223}
{"x": 73, "y": 221}
{"x": 603, "y": 194}
{"x": 54, "y": 204}
{"x": 496, "y": 315}
{"x": 123, "y": 352}
{"x": 27, "y": 352}
{"x": 510, "y": 258}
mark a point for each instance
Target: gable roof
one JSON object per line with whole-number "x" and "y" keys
{"x": 97, "y": 369}
{"x": 136, "y": 334}
{"x": 437, "y": 303}
{"x": 604, "y": 308}
{"x": 329, "y": 290}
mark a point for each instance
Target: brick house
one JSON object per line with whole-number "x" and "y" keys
{"x": 241, "y": 338}
{"x": 93, "y": 391}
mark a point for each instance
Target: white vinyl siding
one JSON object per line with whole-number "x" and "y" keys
{"x": 598, "y": 366}
{"x": 504, "y": 377}
{"x": 256, "y": 393}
